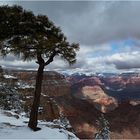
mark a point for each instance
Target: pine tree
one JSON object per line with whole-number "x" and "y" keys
{"x": 33, "y": 37}
{"x": 103, "y": 126}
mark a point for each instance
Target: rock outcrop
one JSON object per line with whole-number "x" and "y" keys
{"x": 96, "y": 96}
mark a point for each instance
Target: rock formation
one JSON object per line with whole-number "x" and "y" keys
{"x": 89, "y": 89}
{"x": 83, "y": 98}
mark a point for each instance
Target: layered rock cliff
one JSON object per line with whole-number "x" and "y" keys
{"x": 54, "y": 84}
{"x": 82, "y": 100}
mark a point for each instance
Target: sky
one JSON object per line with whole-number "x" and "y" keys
{"x": 108, "y": 33}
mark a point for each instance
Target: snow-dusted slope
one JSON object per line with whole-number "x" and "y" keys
{"x": 13, "y": 126}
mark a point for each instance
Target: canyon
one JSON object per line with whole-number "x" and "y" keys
{"x": 82, "y": 99}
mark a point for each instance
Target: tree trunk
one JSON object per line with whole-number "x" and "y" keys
{"x": 34, "y": 110}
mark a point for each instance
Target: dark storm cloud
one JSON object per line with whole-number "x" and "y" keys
{"x": 127, "y": 65}
{"x": 93, "y": 22}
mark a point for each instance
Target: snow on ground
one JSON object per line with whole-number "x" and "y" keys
{"x": 13, "y": 128}
{"x": 23, "y": 85}
{"x": 9, "y": 77}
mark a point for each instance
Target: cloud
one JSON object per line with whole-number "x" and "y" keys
{"x": 127, "y": 60}
{"x": 98, "y": 59}
{"x": 92, "y": 22}
{"x": 95, "y": 25}
{"x": 117, "y": 62}
{"x": 13, "y": 62}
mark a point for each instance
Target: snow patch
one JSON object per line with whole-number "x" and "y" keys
{"x": 13, "y": 128}
{"x": 9, "y": 77}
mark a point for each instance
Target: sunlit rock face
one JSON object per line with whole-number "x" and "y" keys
{"x": 96, "y": 96}
{"x": 106, "y": 104}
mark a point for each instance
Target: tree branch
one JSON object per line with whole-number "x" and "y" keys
{"x": 51, "y": 58}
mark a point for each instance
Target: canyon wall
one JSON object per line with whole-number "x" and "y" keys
{"x": 83, "y": 98}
